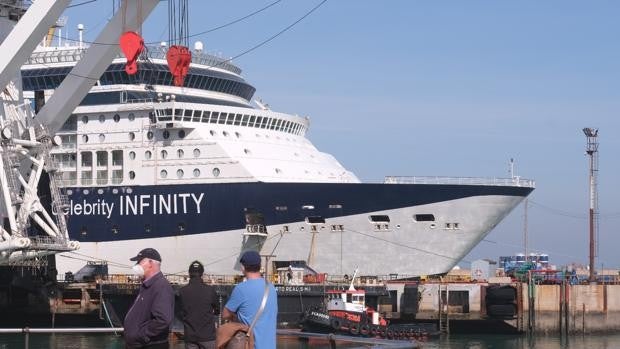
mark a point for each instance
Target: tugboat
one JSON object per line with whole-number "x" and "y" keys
{"x": 345, "y": 312}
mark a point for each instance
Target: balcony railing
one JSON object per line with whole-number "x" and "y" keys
{"x": 508, "y": 182}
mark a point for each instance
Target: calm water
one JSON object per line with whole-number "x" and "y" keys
{"x": 451, "y": 342}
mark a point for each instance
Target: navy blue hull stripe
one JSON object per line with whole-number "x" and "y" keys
{"x": 140, "y": 212}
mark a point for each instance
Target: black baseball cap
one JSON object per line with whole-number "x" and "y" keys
{"x": 196, "y": 268}
{"x": 250, "y": 258}
{"x": 149, "y": 253}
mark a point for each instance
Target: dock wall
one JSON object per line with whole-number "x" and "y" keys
{"x": 546, "y": 309}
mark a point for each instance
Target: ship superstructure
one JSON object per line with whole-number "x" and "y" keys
{"x": 204, "y": 172}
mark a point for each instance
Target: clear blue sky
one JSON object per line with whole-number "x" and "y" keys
{"x": 447, "y": 88}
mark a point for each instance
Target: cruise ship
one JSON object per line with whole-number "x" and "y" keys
{"x": 204, "y": 172}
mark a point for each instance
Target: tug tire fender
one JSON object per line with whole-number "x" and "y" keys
{"x": 354, "y": 328}
{"x": 336, "y": 324}
{"x": 365, "y": 329}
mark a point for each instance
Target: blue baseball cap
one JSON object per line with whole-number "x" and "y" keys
{"x": 250, "y": 258}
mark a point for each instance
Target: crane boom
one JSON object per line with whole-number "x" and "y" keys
{"x": 87, "y": 71}
{"x": 27, "y": 33}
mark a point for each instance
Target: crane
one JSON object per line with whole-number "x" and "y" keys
{"x": 26, "y": 139}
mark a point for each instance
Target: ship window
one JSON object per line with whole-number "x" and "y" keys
{"x": 216, "y": 172}
{"x": 181, "y": 134}
{"x": 166, "y": 134}
{"x": 102, "y": 176}
{"x": 87, "y": 159}
{"x": 225, "y": 134}
{"x": 448, "y": 225}
{"x": 117, "y": 176}
{"x": 424, "y": 218}
{"x": 149, "y": 135}
{"x": 85, "y": 138}
{"x": 101, "y": 137}
{"x": 281, "y": 208}
{"x": 252, "y": 119}
{"x": 180, "y": 153}
{"x": 180, "y": 173}
{"x": 205, "y": 116}
{"x": 85, "y": 119}
{"x": 237, "y": 119}
{"x": 244, "y": 121}
{"x": 87, "y": 177}
{"x": 230, "y": 119}
{"x": 247, "y": 151}
{"x": 164, "y": 154}
{"x": 315, "y": 220}
{"x": 335, "y": 206}
{"x": 132, "y": 136}
{"x": 196, "y": 152}
{"x": 212, "y": 133}
{"x": 278, "y": 170}
{"x": 148, "y": 154}
{"x": 197, "y": 114}
{"x": 380, "y": 218}
{"x": 196, "y": 172}
{"x": 132, "y": 155}
{"x": 132, "y": 175}
{"x": 238, "y": 134}
{"x": 131, "y": 116}
{"x": 222, "y": 118}
{"x": 163, "y": 173}
{"x": 456, "y": 225}
{"x": 117, "y": 118}
{"x": 307, "y": 207}
{"x": 101, "y": 118}
{"x": 259, "y": 119}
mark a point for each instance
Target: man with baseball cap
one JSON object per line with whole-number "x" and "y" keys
{"x": 199, "y": 306}
{"x": 148, "y": 321}
{"x": 246, "y": 298}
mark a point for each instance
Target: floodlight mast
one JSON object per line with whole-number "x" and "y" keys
{"x": 592, "y": 152}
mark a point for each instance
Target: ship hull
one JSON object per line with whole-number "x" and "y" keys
{"x": 329, "y": 225}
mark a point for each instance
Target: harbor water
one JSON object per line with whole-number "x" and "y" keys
{"x": 105, "y": 341}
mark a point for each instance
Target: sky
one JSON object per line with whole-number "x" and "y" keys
{"x": 440, "y": 88}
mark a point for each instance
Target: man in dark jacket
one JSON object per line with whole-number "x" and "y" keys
{"x": 199, "y": 305}
{"x": 148, "y": 321}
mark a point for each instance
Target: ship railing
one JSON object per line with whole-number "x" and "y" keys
{"x": 510, "y": 182}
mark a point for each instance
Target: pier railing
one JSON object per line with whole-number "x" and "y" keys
{"x": 510, "y": 182}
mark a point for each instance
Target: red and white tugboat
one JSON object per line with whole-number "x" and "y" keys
{"x": 346, "y": 312}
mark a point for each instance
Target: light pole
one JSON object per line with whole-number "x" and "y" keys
{"x": 592, "y": 152}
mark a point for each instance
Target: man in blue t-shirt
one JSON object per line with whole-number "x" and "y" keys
{"x": 245, "y": 301}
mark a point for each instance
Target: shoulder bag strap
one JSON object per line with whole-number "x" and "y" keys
{"x": 260, "y": 310}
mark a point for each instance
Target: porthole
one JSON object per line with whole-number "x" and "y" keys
{"x": 99, "y": 191}
{"x": 196, "y": 152}
{"x": 85, "y": 138}
{"x": 247, "y": 151}
{"x": 166, "y": 134}
{"x": 132, "y": 175}
{"x": 132, "y": 136}
{"x": 225, "y": 134}
{"x": 163, "y": 173}
{"x": 196, "y": 172}
{"x": 131, "y": 117}
{"x": 149, "y": 135}
{"x": 132, "y": 155}
{"x": 117, "y": 118}
{"x": 216, "y": 172}
{"x": 101, "y": 137}
{"x": 180, "y": 153}
{"x": 238, "y": 134}
{"x": 181, "y": 133}
{"x": 278, "y": 170}
{"x": 102, "y": 118}
{"x": 180, "y": 173}
{"x": 148, "y": 154}
{"x": 433, "y": 225}
{"x": 85, "y": 119}
{"x": 212, "y": 133}
{"x": 164, "y": 154}
{"x": 114, "y": 191}
{"x": 85, "y": 191}
{"x": 129, "y": 190}
{"x": 69, "y": 191}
